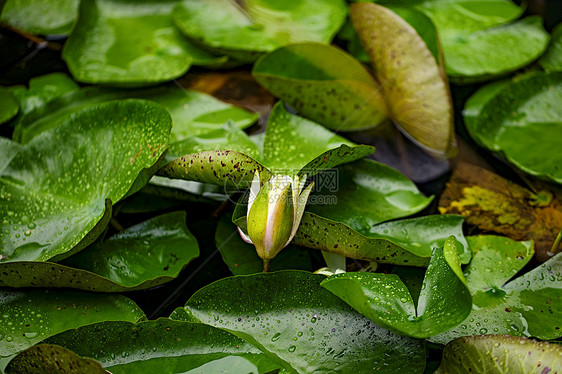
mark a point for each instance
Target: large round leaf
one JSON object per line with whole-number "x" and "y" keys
{"x": 443, "y": 303}
{"x": 242, "y": 28}
{"x": 324, "y": 84}
{"x": 45, "y": 17}
{"x": 525, "y": 306}
{"x": 523, "y": 122}
{"x": 164, "y": 346}
{"x": 412, "y": 80}
{"x": 128, "y": 42}
{"x": 142, "y": 256}
{"x": 54, "y": 190}
{"x": 500, "y": 354}
{"x": 193, "y": 113}
{"x": 365, "y": 193}
{"x": 31, "y": 316}
{"x": 301, "y": 325}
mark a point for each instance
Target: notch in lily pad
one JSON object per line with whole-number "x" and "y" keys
{"x": 444, "y": 300}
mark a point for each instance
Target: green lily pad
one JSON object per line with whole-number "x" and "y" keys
{"x": 142, "y": 256}
{"x": 164, "y": 346}
{"x": 525, "y": 306}
{"x": 42, "y": 90}
{"x": 242, "y": 258}
{"x": 489, "y": 52}
{"x": 294, "y": 145}
{"x": 229, "y": 137}
{"x": 552, "y": 59}
{"x": 499, "y": 354}
{"x": 193, "y": 113}
{"x": 365, "y": 193}
{"x": 324, "y": 84}
{"x": 54, "y": 190}
{"x": 9, "y": 106}
{"x": 31, "y": 316}
{"x": 443, "y": 303}
{"x": 46, "y": 17}
{"x": 300, "y": 325}
{"x": 522, "y": 122}
{"x": 413, "y": 82}
{"x": 47, "y": 358}
{"x": 243, "y": 29}
{"x": 129, "y": 43}
{"x": 404, "y": 242}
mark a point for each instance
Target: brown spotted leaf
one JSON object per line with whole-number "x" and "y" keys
{"x": 494, "y": 204}
{"x": 412, "y": 80}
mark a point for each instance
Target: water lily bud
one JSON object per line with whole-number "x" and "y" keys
{"x": 274, "y": 214}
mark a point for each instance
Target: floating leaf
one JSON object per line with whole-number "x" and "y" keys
{"x": 521, "y": 122}
{"x": 128, "y": 43}
{"x": 499, "y": 354}
{"x": 412, "y": 80}
{"x": 193, "y": 113}
{"x": 294, "y": 145}
{"x": 45, "y": 17}
{"x": 324, "y": 84}
{"x": 164, "y": 346}
{"x": 494, "y": 204}
{"x": 552, "y": 59}
{"x": 47, "y": 358}
{"x": 300, "y": 325}
{"x": 42, "y": 90}
{"x": 242, "y": 258}
{"x": 365, "y": 193}
{"x": 142, "y": 256}
{"x": 443, "y": 303}
{"x": 54, "y": 190}
{"x": 9, "y": 107}
{"x": 405, "y": 242}
{"x": 228, "y": 26}
{"x": 31, "y": 316}
{"x": 525, "y": 306}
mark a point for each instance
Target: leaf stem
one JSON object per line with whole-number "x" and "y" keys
{"x": 556, "y": 245}
{"x": 266, "y": 266}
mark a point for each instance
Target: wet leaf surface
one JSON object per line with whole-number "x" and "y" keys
{"x": 48, "y": 358}
{"x": 525, "y": 306}
{"x": 193, "y": 113}
{"x": 365, "y": 193}
{"x": 31, "y": 316}
{"x": 412, "y": 81}
{"x": 521, "y": 122}
{"x": 54, "y": 190}
{"x": 494, "y": 204}
{"x": 552, "y": 59}
{"x": 324, "y": 84}
{"x": 499, "y": 354}
{"x": 242, "y": 258}
{"x": 405, "y": 242}
{"x": 294, "y": 145}
{"x": 227, "y": 26}
{"x": 300, "y": 325}
{"x": 129, "y": 43}
{"x": 443, "y": 303}
{"x": 479, "y": 41}
{"x": 164, "y": 346}
{"x": 46, "y": 17}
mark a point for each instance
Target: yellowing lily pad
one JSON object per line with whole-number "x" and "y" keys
{"x": 412, "y": 80}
